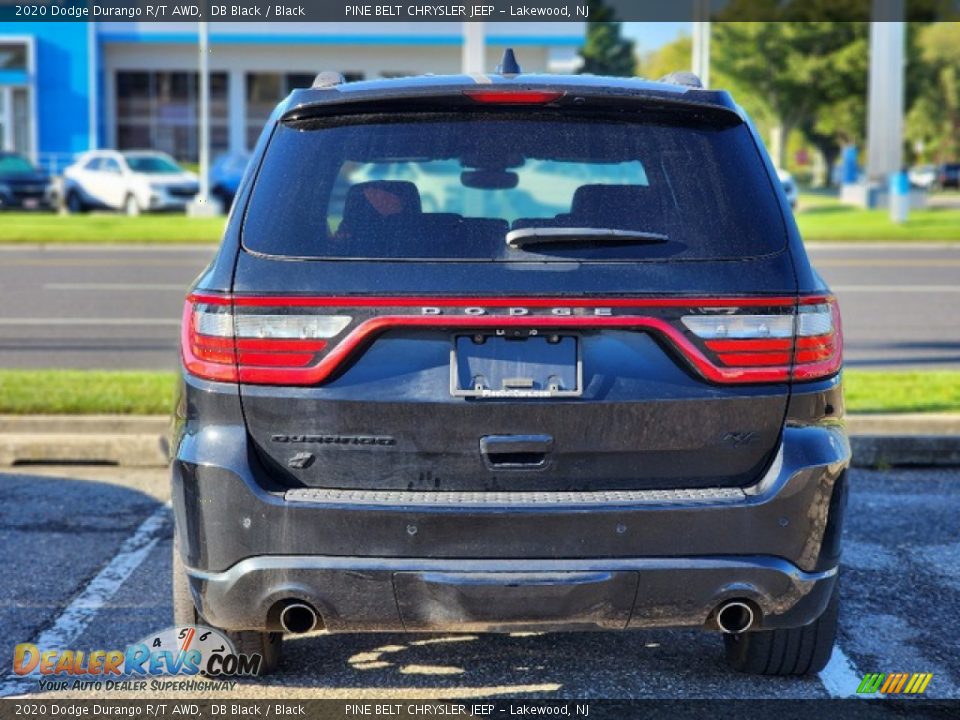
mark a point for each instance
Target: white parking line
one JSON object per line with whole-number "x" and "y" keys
{"x": 85, "y": 606}
{"x": 840, "y": 677}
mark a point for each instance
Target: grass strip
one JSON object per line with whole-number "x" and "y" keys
{"x": 126, "y": 392}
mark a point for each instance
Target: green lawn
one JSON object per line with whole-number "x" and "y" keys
{"x": 79, "y": 392}
{"x": 821, "y": 218}
{"x": 75, "y": 392}
{"x": 870, "y": 391}
{"x": 107, "y": 228}
{"x": 824, "y": 218}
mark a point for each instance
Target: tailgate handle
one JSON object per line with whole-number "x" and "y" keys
{"x": 515, "y": 451}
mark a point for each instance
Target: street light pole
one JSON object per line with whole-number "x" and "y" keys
{"x": 885, "y": 96}
{"x": 701, "y": 41}
{"x": 204, "y": 41}
{"x": 474, "y": 47}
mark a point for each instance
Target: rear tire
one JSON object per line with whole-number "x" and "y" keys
{"x": 787, "y": 651}
{"x": 267, "y": 645}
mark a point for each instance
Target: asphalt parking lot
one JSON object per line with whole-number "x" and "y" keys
{"x": 87, "y": 564}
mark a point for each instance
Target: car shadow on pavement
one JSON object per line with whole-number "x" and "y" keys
{"x": 632, "y": 664}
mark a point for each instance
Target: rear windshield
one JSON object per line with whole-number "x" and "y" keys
{"x": 454, "y": 187}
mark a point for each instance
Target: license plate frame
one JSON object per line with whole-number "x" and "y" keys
{"x": 528, "y": 366}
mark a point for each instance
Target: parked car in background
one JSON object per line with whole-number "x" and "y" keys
{"x": 789, "y": 187}
{"x": 134, "y": 182}
{"x": 948, "y": 175}
{"x": 23, "y": 186}
{"x": 225, "y": 176}
{"x": 922, "y": 176}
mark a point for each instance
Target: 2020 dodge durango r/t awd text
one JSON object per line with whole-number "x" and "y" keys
{"x": 519, "y": 352}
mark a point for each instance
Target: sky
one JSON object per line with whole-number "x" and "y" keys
{"x": 652, "y": 35}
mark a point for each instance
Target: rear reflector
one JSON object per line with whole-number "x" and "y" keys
{"x": 289, "y": 340}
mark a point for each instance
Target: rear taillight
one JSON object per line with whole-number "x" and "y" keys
{"x": 288, "y": 340}
{"x": 802, "y": 342}
{"x": 226, "y": 341}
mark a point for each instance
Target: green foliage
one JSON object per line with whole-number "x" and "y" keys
{"x": 805, "y": 75}
{"x": 672, "y": 57}
{"x": 934, "y": 119}
{"x": 605, "y": 50}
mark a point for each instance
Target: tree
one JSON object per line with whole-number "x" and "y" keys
{"x": 934, "y": 119}
{"x": 809, "y": 76}
{"x": 605, "y": 51}
{"x": 673, "y": 57}
{"x": 677, "y": 56}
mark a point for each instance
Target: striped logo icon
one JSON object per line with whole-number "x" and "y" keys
{"x": 895, "y": 683}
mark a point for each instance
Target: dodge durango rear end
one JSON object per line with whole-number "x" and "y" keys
{"x": 540, "y": 353}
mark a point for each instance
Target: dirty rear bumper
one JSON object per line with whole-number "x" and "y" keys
{"x": 472, "y": 562}
{"x": 377, "y": 594}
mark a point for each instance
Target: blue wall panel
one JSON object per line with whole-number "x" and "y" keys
{"x": 62, "y": 83}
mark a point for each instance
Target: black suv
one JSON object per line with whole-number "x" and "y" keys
{"x": 512, "y": 352}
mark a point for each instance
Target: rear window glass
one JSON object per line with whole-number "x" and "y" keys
{"x": 453, "y": 187}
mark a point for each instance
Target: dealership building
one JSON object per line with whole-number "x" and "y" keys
{"x": 70, "y": 87}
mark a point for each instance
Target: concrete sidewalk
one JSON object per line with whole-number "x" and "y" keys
{"x": 141, "y": 441}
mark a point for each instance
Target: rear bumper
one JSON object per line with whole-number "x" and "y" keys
{"x": 385, "y": 562}
{"x": 354, "y": 594}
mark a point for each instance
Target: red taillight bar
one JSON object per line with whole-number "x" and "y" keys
{"x": 296, "y": 361}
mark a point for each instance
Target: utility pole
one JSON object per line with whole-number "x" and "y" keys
{"x": 474, "y": 47}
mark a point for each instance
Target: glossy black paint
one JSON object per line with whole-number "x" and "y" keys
{"x": 247, "y": 547}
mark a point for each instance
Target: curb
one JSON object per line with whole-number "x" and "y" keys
{"x": 125, "y": 450}
{"x": 878, "y": 451}
{"x": 127, "y": 441}
{"x": 142, "y": 440}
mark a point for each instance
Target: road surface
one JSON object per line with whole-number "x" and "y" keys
{"x": 120, "y": 308}
{"x": 87, "y": 564}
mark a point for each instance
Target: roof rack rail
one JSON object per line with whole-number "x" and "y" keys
{"x": 687, "y": 79}
{"x": 328, "y": 79}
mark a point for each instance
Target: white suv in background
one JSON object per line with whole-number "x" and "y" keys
{"x": 132, "y": 181}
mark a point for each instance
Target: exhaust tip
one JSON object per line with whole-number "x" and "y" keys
{"x": 298, "y": 618}
{"x": 735, "y": 617}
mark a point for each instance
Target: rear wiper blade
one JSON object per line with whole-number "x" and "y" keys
{"x": 601, "y": 236}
